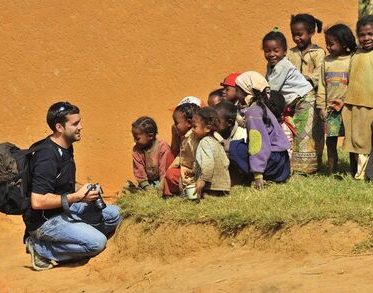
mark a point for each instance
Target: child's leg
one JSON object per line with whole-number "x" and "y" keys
{"x": 331, "y": 144}
{"x": 353, "y": 164}
{"x": 171, "y": 182}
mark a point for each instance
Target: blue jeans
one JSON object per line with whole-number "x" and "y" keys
{"x": 61, "y": 238}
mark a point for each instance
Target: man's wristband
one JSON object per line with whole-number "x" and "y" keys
{"x": 64, "y": 202}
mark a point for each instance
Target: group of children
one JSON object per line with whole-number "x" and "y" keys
{"x": 257, "y": 129}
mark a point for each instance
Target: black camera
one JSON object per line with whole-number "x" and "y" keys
{"x": 99, "y": 202}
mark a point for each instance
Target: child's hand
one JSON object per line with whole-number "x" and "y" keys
{"x": 200, "y": 185}
{"x": 189, "y": 174}
{"x": 259, "y": 183}
{"x": 337, "y": 104}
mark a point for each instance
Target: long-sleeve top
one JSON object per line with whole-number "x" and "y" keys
{"x": 360, "y": 87}
{"x": 212, "y": 164}
{"x": 284, "y": 77}
{"x": 263, "y": 139}
{"x": 308, "y": 62}
{"x": 333, "y": 80}
{"x": 151, "y": 164}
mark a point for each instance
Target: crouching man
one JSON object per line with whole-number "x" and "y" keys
{"x": 63, "y": 224}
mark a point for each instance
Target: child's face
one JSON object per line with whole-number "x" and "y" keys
{"x": 229, "y": 93}
{"x": 225, "y": 126}
{"x": 241, "y": 95}
{"x": 199, "y": 128}
{"x": 300, "y": 35}
{"x": 182, "y": 124}
{"x": 334, "y": 47}
{"x": 273, "y": 52}
{"x": 142, "y": 139}
{"x": 365, "y": 36}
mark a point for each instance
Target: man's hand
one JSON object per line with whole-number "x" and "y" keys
{"x": 83, "y": 195}
{"x": 200, "y": 185}
{"x": 337, "y": 104}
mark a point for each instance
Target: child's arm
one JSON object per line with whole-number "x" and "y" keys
{"x": 318, "y": 59}
{"x": 259, "y": 145}
{"x": 321, "y": 93}
{"x": 277, "y": 77}
{"x": 205, "y": 159}
{"x": 139, "y": 169}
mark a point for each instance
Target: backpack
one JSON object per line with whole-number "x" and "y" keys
{"x": 15, "y": 177}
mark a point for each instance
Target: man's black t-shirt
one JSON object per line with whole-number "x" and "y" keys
{"x": 52, "y": 171}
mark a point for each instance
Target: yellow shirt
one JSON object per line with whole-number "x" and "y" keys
{"x": 360, "y": 87}
{"x": 333, "y": 80}
{"x": 308, "y": 62}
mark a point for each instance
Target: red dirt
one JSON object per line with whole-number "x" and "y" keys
{"x": 313, "y": 258}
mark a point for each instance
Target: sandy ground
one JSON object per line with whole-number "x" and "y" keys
{"x": 296, "y": 260}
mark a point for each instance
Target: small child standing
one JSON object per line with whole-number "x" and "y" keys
{"x": 211, "y": 164}
{"x": 307, "y": 58}
{"x": 150, "y": 155}
{"x": 340, "y": 42}
{"x": 299, "y": 97}
{"x": 358, "y": 110}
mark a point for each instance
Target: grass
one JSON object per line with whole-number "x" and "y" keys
{"x": 302, "y": 199}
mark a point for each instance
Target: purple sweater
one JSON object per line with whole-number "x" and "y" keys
{"x": 262, "y": 140}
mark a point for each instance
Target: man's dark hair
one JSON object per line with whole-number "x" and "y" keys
{"x": 188, "y": 109}
{"x": 310, "y": 22}
{"x": 276, "y": 36}
{"x": 58, "y": 112}
{"x": 228, "y": 110}
{"x": 365, "y": 20}
{"x": 146, "y": 124}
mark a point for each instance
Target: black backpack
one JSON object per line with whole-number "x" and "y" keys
{"x": 15, "y": 177}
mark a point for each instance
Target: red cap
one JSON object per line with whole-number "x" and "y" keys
{"x": 230, "y": 79}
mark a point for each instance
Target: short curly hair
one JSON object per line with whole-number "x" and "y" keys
{"x": 146, "y": 124}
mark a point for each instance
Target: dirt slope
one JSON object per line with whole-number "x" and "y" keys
{"x": 313, "y": 258}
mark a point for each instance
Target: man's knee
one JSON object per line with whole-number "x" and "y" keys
{"x": 96, "y": 243}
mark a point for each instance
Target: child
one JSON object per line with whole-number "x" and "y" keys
{"x": 340, "y": 42}
{"x": 211, "y": 163}
{"x": 266, "y": 141}
{"x": 229, "y": 84}
{"x": 299, "y": 98}
{"x": 358, "y": 110}
{"x": 230, "y": 131}
{"x": 175, "y": 176}
{"x": 150, "y": 155}
{"x": 215, "y": 97}
{"x": 307, "y": 58}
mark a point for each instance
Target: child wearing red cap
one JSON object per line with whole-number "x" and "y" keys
{"x": 229, "y": 85}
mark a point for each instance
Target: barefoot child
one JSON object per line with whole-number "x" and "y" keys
{"x": 299, "y": 97}
{"x": 340, "y": 42}
{"x": 358, "y": 110}
{"x": 211, "y": 164}
{"x": 307, "y": 58}
{"x": 150, "y": 155}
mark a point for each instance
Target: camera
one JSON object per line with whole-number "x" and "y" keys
{"x": 99, "y": 202}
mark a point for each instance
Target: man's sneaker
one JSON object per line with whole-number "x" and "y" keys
{"x": 39, "y": 263}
